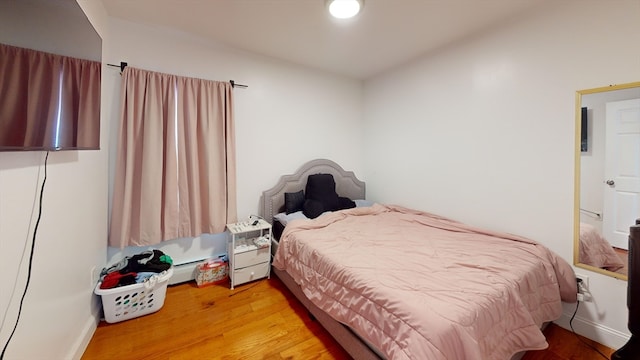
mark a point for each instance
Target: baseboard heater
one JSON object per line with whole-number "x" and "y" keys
{"x": 187, "y": 271}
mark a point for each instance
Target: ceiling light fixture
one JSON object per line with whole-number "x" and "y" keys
{"x": 344, "y": 9}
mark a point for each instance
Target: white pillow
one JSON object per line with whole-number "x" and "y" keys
{"x": 363, "y": 203}
{"x": 284, "y": 218}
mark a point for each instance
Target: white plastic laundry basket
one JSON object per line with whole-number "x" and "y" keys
{"x": 131, "y": 301}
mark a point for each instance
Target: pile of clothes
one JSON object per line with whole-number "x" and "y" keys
{"x": 135, "y": 269}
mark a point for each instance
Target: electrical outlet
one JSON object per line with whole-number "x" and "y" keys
{"x": 585, "y": 280}
{"x": 583, "y": 288}
{"x": 94, "y": 275}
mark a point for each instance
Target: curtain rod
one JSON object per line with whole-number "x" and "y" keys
{"x": 124, "y": 65}
{"x": 121, "y": 66}
{"x": 234, "y": 84}
{"x": 598, "y": 215}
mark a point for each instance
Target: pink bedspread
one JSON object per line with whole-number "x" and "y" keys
{"x": 418, "y": 286}
{"x": 596, "y": 251}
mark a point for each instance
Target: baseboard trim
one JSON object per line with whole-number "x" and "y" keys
{"x": 597, "y": 332}
{"x": 79, "y": 347}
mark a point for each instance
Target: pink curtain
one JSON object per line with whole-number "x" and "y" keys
{"x": 35, "y": 86}
{"x": 175, "y": 170}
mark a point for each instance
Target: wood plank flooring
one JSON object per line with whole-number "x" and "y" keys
{"x": 624, "y": 256}
{"x": 565, "y": 345}
{"x": 261, "y": 320}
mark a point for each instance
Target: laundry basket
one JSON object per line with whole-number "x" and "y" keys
{"x": 131, "y": 301}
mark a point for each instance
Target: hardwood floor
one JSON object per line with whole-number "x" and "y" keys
{"x": 624, "y": 256}
{"x": 565, "y": 345}
{"x": 260, "y": 320}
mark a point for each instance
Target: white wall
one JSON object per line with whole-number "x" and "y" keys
{"x": 287, "y": 116}
{"x": 60, "y": 312}
{"x": 483, "y": 132}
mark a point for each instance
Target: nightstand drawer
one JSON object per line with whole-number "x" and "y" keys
{"x": 251, "y": 257}
{"x": 250, "y": 273}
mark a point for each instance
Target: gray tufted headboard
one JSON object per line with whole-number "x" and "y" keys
{"x": 347, "y": 185}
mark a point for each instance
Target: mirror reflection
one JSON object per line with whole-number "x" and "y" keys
{"x": 607, "y": 176}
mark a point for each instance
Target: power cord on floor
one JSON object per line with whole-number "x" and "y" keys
{"x": 245, "y": 289}
{"x": 578, "y": 336}
{"x": 33, "y": 243}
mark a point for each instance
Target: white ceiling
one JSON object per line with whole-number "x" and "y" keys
{"x": 387, "y": 33}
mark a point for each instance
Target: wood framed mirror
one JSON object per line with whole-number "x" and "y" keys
{"x": 607, "y": 176}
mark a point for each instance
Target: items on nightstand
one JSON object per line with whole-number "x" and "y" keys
{"x": 262, "y": 242}
{"x": 249, "y": 251}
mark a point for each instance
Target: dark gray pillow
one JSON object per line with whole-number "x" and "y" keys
{"x": 312, "y": 208}
{"x": 322, "y": 188}
{"x": 293, "y": 201}
{"x": 345, "y": 203}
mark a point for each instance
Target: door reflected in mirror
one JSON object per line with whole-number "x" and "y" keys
{"x": 607, "y": 200}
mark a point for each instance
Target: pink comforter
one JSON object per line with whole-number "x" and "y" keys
{"x": 596, "y": 251}
{"x": 418, "y": 286}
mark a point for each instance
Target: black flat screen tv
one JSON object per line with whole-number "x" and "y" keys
{"x": 584, "y": 130}
{"x": 46, "y": 122}
{"x": 48, "y": 118}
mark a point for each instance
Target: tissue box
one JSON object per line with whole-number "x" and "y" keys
{"x": 211, "y": 272}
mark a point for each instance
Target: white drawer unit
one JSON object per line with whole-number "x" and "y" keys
{"x": 251, "y": 257}
{"x": 249, "y": 251}
{"x": 250, "y": 273}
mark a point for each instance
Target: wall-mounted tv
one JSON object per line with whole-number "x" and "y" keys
{"x": 45, "y": 97}
{"x": 48, "y": 101}
{"x": 584, "y": 130}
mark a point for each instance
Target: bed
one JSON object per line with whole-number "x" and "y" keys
{"x": 409, "y": 284}
{"x": 596, "y": 251}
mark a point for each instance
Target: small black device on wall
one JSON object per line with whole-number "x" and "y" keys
{"x": 584, "y": 131}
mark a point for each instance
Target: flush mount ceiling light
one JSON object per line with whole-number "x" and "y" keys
{"x": 344, "y": 9}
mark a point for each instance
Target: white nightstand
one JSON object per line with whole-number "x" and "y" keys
{"x": 248, "y": 260}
